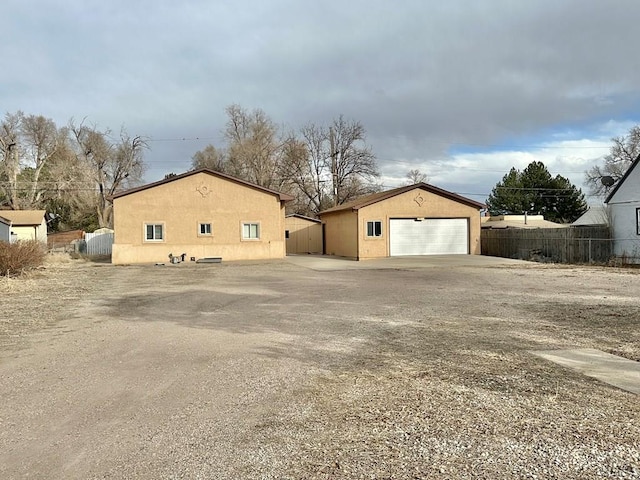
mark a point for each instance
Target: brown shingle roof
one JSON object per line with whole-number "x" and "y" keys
{"x": 283, "y": 196}
{"x": 377, "y": 197}
{"x": 24, "y": 217}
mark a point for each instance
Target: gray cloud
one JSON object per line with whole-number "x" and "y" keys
{"x": 422, "y": 76}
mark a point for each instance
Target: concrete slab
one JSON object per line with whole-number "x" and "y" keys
{"x": 329, "y": 263}
{"x": 617, "y": 371}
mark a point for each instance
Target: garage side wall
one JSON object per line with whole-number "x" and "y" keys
{"x": 413, "y": 204}
{"x": 341, "y": 234}
{"x": 181, "y": 206}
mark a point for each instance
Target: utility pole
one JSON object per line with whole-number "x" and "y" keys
{"x": 334, "y": 166}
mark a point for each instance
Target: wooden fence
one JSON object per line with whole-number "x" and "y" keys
{"x": 561, "y": 245}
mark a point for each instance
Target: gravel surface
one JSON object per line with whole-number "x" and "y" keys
{"x": 267, "y": 370}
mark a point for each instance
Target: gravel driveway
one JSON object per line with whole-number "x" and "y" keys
{"x": 270, "y": 370}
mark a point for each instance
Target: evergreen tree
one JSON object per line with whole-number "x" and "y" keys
{"x": 536, "y": 192}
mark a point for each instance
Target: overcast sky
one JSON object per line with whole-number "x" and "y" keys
{"x": 462, "y": 90}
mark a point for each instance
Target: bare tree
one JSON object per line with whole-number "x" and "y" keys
{"x": 307, "y": 168}
{"x": 254, "y": 150}
{"x": 622, "y": 153}
{"x": 27, "y": 144}
{"x": 332, "y": 165}
{"x": 210, "y": 157}
{"x": 10, "y": 158}
{"x": 416, "y": 176}
{"x": 353, "y": 164}
{"x": 114, "y": 164}
{"x": 42, "y": 139}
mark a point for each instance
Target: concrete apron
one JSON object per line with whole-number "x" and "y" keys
{"x": 617, "y": 371}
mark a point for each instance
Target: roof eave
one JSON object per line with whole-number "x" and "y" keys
{"x": 622, "y": 180}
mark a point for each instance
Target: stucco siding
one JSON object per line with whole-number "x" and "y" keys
{"x": 413, "y": 204}
{"x": 341, "y": 236}
{"x": 182, "y": 205}
{"x": 305, "y": 236}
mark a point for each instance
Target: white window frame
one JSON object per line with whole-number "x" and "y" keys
{"x": 637, "y": 221}
{"x": 373, "y": 228}
{"x": 250, "y": 238}
{"x": 207, "y": 226}
{"x": 154, "y": 225}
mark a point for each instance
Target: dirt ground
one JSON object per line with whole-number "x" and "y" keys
{"x": 269, "y": 370}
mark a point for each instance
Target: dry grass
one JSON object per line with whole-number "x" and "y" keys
{"x": 19, "y": 257}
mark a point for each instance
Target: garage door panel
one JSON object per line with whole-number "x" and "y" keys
{"x": 432, "y": 236}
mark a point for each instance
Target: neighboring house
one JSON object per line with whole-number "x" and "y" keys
{"x": 595, "y": 216}
{"x": 519, "y": 221}
{"x": 5, "y": 229}
{"x": 201, "y": 214}
{"x": 302, "y": 234}
{"x": 27, "y": 224}
{"x": 623, "y": 203}
{"x": 417, "y": 219}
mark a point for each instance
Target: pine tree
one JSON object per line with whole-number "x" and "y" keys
{"x": 536, "y": 192}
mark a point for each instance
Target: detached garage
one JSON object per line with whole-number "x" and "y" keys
{"x": 417, "y": 219}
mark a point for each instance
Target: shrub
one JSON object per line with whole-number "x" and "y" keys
{"x": 18, "y": 257}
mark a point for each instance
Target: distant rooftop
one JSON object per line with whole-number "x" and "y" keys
{"x": 519, "y": 221}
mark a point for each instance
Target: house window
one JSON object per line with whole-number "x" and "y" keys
{"x": 251, "y": 231}
{"x": 638, "y": 221}
{"x": 286, "y": 234}
{"x": 154, "y": 232}
{"x": 204, "y": 228}
{"x": 374, "y": 228}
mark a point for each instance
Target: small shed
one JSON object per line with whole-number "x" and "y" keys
{"x": 27, "y": 224}
{"x": 302, "y": 234}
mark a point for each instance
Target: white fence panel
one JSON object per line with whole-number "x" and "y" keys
{"x": 98, "y": 243}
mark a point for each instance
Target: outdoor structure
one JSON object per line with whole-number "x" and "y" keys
{"x": 595, "y": 216}
{"x": 417, "y": 219}
{"x": 198, "y": 215}
{"x": 27, "y": 224}
{"x": 302, "y": 234}
{"x": 519, "y": 221}
{"x": 623, "y": 203}
{"x": 5, "y": 229}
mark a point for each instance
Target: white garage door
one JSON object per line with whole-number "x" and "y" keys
{"x": 431, "y": 236}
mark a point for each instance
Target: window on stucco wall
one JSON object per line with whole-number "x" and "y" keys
{"x": 374, "y": 228}
{"x": 154, "y": 232}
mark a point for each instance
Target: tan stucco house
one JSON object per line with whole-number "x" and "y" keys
{"x": 417, "y": 219}
{"x": 27, "y": 224}
{"x": 201, "y": 214}
{"x": 302, "y": 234}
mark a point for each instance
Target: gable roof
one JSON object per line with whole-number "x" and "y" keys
{"x": 24, "y": 218}
{"x": 595, "y": 215}
{"x": 282, "y": 196}
{"x": 297, "y": 215}
{"x": 4, "y": 220}
{"x": 622, "y": 180}
{"x": 378, "y": 197}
